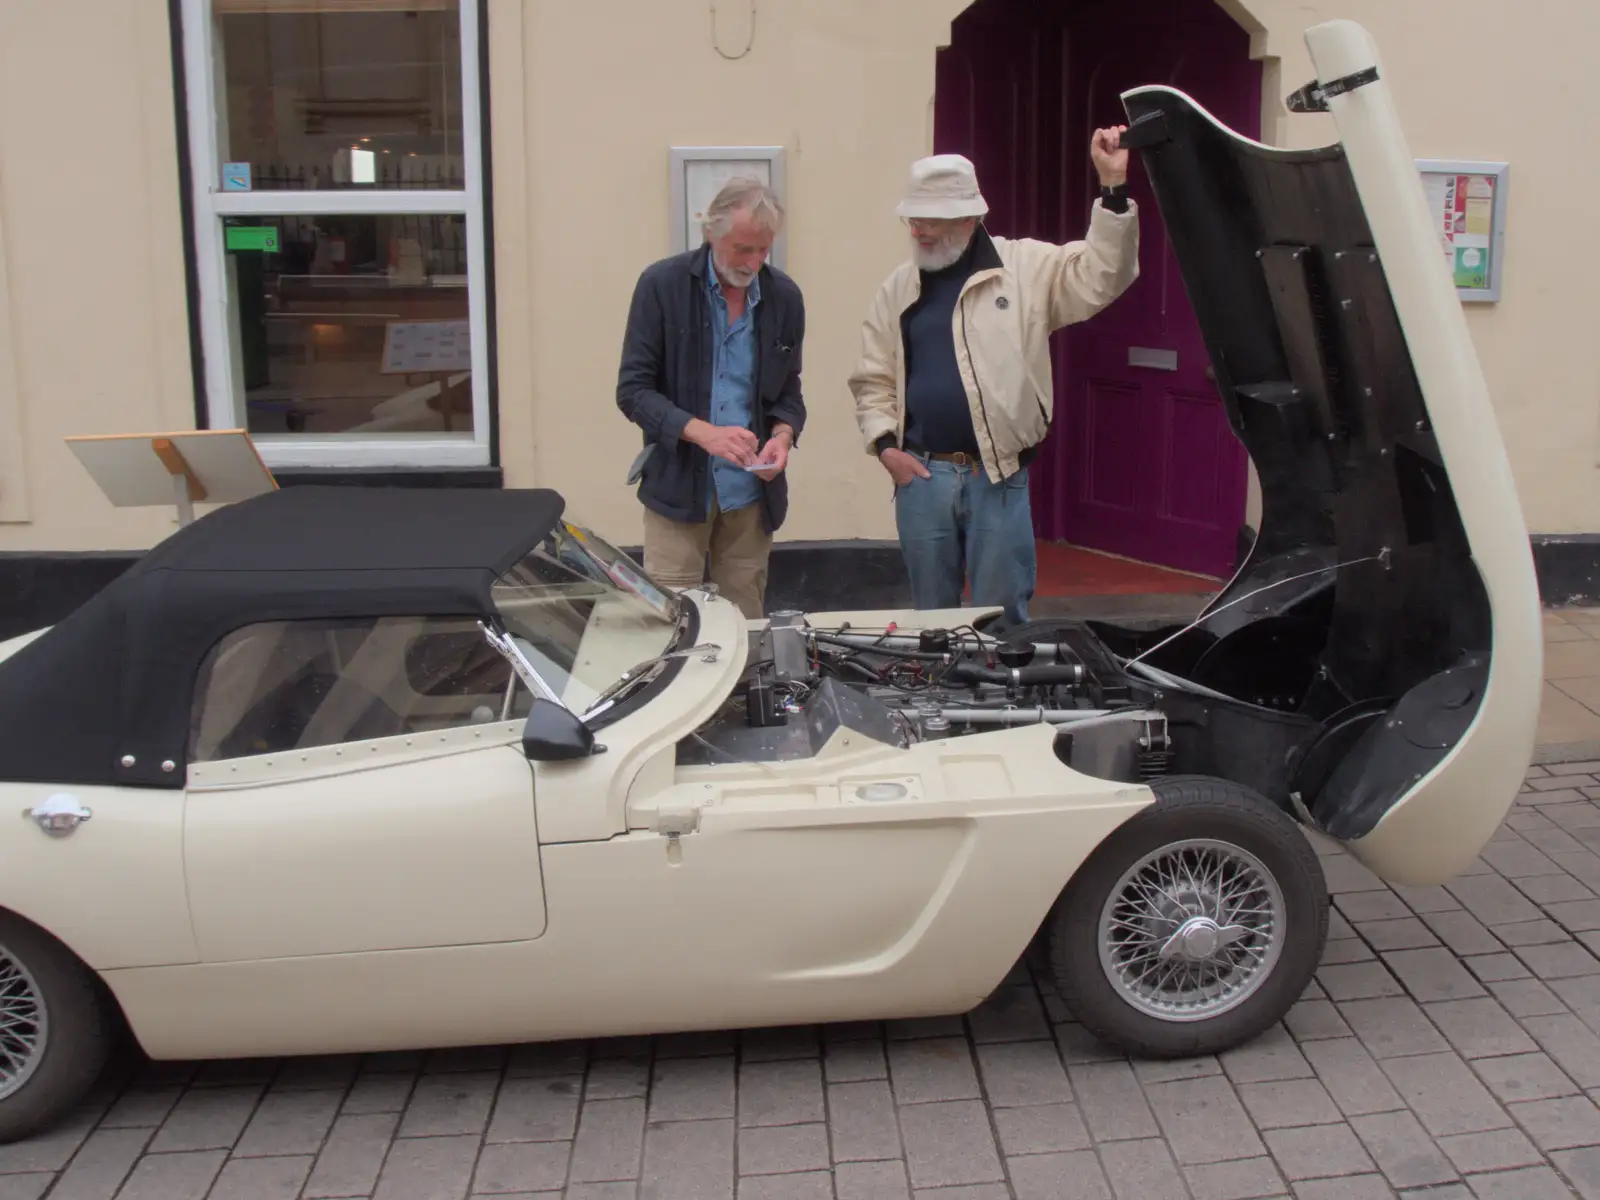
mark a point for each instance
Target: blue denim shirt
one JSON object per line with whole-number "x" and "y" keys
{"x": 733, "y": 377}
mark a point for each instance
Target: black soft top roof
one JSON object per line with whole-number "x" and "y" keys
{"x": 115, "y": 679}
{"x": 338, "y": 531}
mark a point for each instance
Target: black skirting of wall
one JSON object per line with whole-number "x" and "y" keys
{"x": 819, "y": 576}
{"x": 38, "y": 589}
{"x": 1568, "y": 566}
{"x": 468, "y": 477}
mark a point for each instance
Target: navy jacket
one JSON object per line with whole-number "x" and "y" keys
{"x": 665, "y": 379}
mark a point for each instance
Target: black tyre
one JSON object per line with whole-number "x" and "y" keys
{"x": 1194, "y": 926}
{"x": 56, "y": 1029}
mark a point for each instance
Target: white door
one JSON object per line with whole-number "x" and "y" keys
{"x": 351, "y": 789}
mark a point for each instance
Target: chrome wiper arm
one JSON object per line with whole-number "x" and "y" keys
{"x": 610, "y": 695}
{"x": 645, "y": 670}
{"x": 512, "y": 653}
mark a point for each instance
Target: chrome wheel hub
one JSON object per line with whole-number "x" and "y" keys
{"x": 23, "y": 1024}
{"x": 1192, "y": 930}
{"x": 1199, "y": 938}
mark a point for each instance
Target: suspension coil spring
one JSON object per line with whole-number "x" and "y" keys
{"x": 1155, "y": 754}
{"x": 1153, "y": 764}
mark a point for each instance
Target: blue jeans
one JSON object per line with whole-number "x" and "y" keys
{"x": 956, "y": 522}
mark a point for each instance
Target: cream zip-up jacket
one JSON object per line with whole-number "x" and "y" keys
{"x": 1019, "y": 293}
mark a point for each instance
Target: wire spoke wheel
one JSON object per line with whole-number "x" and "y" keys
{"x": 1194, "y": 926}
{"x": 1192, "y": 930}
{"x": 24, "y": 1024}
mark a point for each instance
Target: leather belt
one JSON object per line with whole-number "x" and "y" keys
{"x": 960, "y": 457}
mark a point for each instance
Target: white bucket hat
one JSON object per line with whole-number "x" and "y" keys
{"x": 943, "y": 187}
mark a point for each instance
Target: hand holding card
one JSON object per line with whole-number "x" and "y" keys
{"x": 774, "y": 456}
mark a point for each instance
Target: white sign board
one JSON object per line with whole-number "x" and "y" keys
{"x": 417, "y": 346}
{"x": 136, "y": 470}
{"x": 698, "y": 173}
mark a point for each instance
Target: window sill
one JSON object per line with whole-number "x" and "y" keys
{"x": 344, "y": 452}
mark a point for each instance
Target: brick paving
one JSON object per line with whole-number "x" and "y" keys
{"x": 1448, "y": 1050}
{"x": 1569, "y": 712}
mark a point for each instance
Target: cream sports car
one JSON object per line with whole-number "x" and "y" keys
{"x": 344, "y": 770}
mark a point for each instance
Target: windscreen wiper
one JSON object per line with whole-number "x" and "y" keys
{"x": 524, "y": 670}
{"x": 646, "y": 671}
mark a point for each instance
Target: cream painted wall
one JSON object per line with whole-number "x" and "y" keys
{"x": 586, "y": 99}
{"x": 846, "y": 86}
{"x": 91, "y": 262}
{"x": 607, "y": 87}
{"x": 1483, "y": 79}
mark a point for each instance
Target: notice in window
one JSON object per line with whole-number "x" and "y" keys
{"x": 419, "y": 346}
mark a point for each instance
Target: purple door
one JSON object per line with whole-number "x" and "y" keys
{"x": 1141, "y": 461}
{"x": 999, "y": 98}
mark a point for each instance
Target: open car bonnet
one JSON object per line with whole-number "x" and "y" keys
{"x": 1390, "y": 595}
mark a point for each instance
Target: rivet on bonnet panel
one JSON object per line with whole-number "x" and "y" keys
{"x": 128, "y": 760}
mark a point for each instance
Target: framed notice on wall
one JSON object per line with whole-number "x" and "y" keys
{"x": 1468, "y": 203}
{"x": 698, "y": 173}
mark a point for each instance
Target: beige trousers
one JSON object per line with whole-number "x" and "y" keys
{"x": 739, "y": 547}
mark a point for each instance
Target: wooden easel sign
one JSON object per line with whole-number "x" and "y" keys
{"x": 185, "y": 468}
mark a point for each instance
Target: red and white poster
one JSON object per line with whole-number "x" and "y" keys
{"x": 1463, "y": 211}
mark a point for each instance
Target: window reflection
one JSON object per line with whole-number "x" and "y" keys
{"x": 352, "y": 323}
{"x": 328, "y": 94}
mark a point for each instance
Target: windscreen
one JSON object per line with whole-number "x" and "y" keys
{"x": 583, "y": 612}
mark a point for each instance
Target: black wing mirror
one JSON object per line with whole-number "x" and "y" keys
{"x": 555, "y": 734}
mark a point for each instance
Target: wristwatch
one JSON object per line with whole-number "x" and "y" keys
{"x": 1114, "y": 199}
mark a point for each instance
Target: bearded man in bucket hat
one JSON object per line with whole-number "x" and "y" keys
{"x": 953, "y": 390}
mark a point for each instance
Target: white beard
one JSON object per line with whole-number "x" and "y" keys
{"x": 739, "y": 277}
{"x": 942, "y": 255}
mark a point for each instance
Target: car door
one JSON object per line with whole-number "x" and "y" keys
{"x": 357, "y": 786}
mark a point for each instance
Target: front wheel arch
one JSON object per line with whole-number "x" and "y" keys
{"x": 1189, "y": 812}
{"x": 83, "y": 1024}
{"x": 108, "y": 995}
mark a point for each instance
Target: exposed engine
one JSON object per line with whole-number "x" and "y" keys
{"x": 803, "y": 683}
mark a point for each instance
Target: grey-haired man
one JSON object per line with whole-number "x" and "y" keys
{"x": 711, "y": 374}
{"x": 953, "y": 390}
